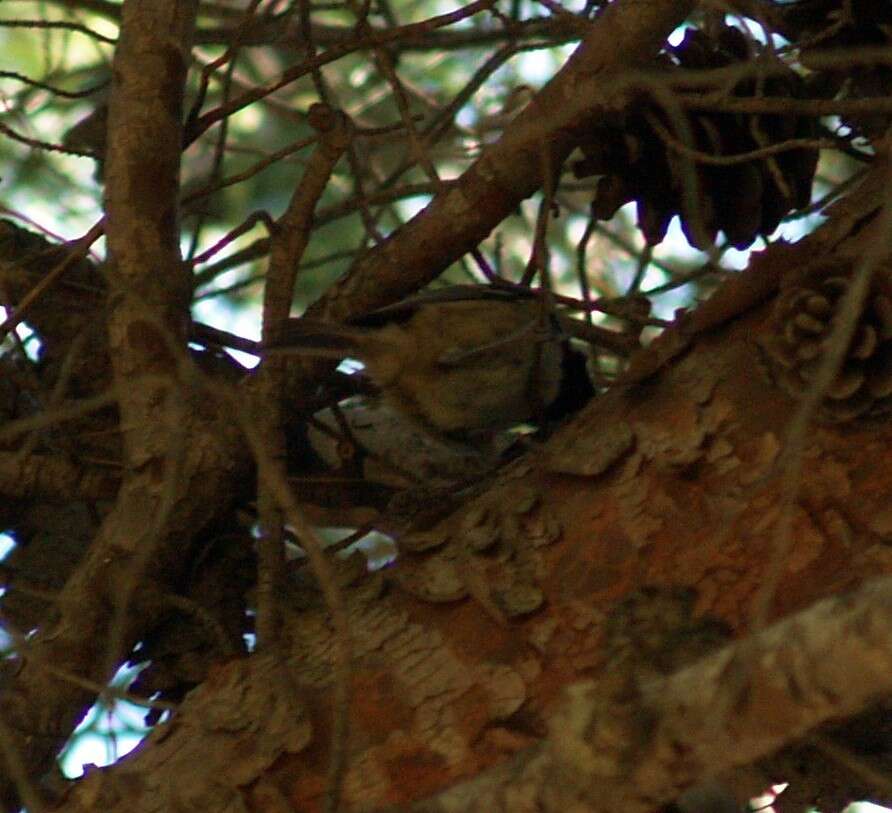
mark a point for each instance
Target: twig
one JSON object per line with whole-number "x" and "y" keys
{"x": 203, "y": 616}
{"x": 38, "y": 144}
{"x": 65, "y": 412}
{"x": 334, "y": 53}
{"x": 56, "y": 91}
{"x": 738, "y": 158}
{"x": 244, "y": 227}
{"x": 29, "y": 793}
{"x": 58, "y": 24}
{"x": 273, "y": 479}
{"x": 79, "y": 249}
{"x": 289, "y": 241}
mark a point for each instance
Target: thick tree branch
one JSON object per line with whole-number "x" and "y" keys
{"x": 639, "y": 747}
{"x": 173, "y": 471}
{"x": 627, "y": 35}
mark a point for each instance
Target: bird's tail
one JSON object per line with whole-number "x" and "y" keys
{"x": 315, "y": 337}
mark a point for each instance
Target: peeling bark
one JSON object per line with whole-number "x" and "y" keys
{"x": 499, "y": 652}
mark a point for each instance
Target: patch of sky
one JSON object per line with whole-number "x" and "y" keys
{"x": 242, "y": 319}
{"x": 7, "y": 543}
{"x": 30, "y": 342}
{"x": 755, "y": 30}
{"x": 752, "y": 28}
{"x": 378, "y": 549}
{"x": 539, "y": 66}
{"x": 677, "y": 36}
{"x": 673, "y": 250}
{"x": 109, "y": 730}
{"x": 409, "y": 207}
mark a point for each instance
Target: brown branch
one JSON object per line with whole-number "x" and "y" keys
{"x": 56, "y": 91}
{"x": 325, "y": 216}
{"x": 272, "y": 31}
{"x": 112, "y": 11}
{"x": 368, "y": 40}
{"x": 845, "y": 323}
{"x": 701, "y": 721}
{"x": 148, "y": 309}
{"x": 54, "y": 477}
{"x": 64, "y": 25}
{"x": 78, "y": 251}
{"x": 288, "y": 243}
{"x": 271, "y": 159}
{"x": 813, "y": 108}
{"x": 628, "y": 33}
{"x": 62, "y": 412}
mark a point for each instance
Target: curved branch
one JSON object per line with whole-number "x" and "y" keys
{"x": 628, "y": 34}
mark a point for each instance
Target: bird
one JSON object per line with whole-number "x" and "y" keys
{"x": 464, "y": 361}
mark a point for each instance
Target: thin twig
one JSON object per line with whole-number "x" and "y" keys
{"x": 56, "y": 91}
{"x": 38, "y": 144}
{"x": 59, "y": 24}
{"x": 742, "y": 157}
{"x": 205, "y": 618}
{"x": 307, "y": 66}
{"x": 79, "y": 249}
{"x": 29, "y": 793}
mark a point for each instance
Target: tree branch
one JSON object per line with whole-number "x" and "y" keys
{"x": 164, "y": 449}
{"x": 638, "y": 747}
{"x": 628, "y": 34}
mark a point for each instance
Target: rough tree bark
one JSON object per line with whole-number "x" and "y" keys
{"x": 545, "y": 647}
{"x": 533, "y": 638}
{"x": 170, "y": 447}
